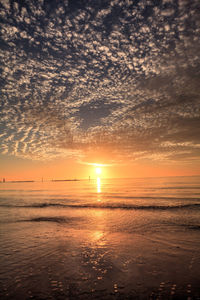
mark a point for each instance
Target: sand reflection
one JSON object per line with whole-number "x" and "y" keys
{"x": 98, "y": 238}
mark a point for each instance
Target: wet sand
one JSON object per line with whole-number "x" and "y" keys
{"x": 55, "y": 262}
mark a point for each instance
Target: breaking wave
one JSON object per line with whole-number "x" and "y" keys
{"x": 105, "y": 206}
{"x": 54, "y": 219}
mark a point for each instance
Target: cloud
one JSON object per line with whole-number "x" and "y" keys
{"x": 118, "y": 75}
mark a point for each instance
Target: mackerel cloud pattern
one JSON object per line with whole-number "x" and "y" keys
{"x": 118, "y": 75}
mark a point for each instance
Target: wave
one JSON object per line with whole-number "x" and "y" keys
{"x": 176, "y": 188}
{"x": 70, "y": 220}
{"x": 152, "y": 197}
{"x": 186, "y": 226}
{"x": 105, "y": 206}
{"x": 54, "y": 219}
{"x": 194, "y": 227}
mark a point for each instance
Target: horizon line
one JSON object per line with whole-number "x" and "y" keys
{"x": 88, "y": 178}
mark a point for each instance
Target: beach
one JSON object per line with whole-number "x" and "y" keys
{"x": 101, "y": 239}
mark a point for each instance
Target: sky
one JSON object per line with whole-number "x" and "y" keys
{"x": 97, "y": 81}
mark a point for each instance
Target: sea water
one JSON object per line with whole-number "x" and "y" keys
{"x": 100, "y": 239}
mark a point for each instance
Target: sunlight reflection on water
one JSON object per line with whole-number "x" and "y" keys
{"x": 98, "y": 189}
{"x": 98, "y": 185}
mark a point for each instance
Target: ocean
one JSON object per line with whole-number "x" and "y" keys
{"x": 100, "y": 239}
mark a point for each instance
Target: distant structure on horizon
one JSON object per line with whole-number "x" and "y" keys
{"x": 4, "y": 180}
{"x": 55, "y": 180}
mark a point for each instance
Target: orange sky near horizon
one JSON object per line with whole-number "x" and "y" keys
{"x": 106, "y": 82}
{"x": 22, "y": 169}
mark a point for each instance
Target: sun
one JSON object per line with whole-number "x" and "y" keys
{"x": 98, "y": 171}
